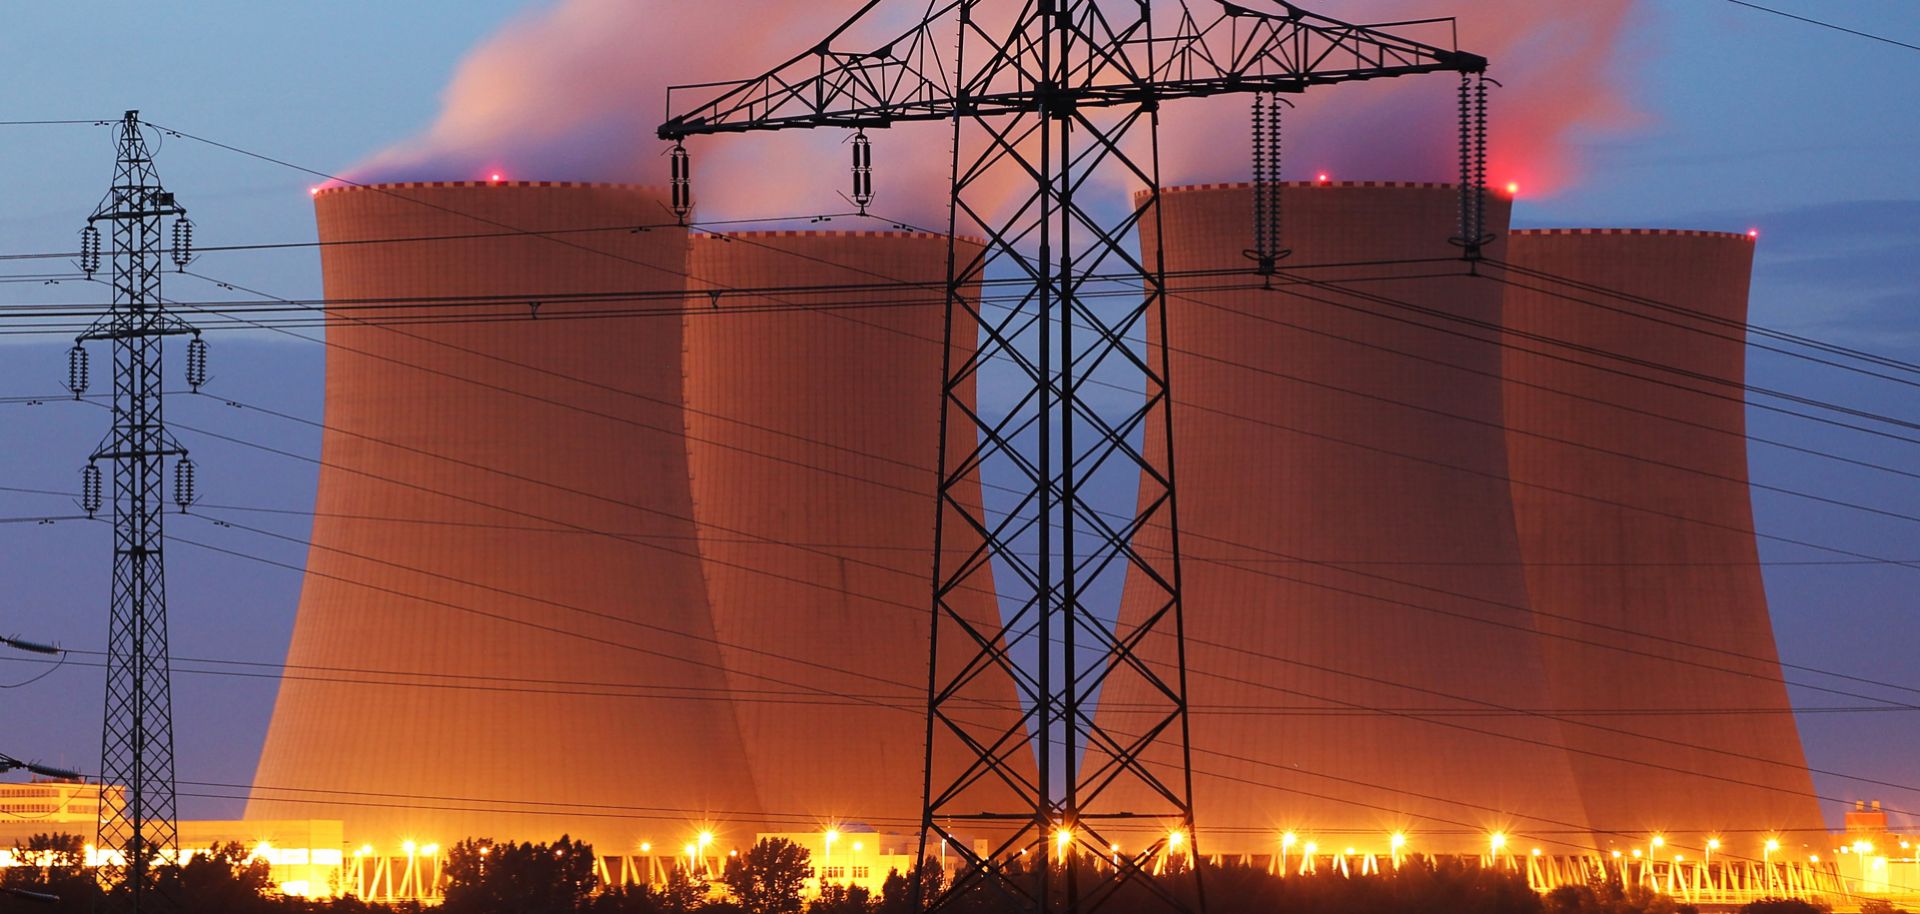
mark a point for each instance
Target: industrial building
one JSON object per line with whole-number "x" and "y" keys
{"x": 1630, "y": 496}
{"x": 1352, "y": 577}
{"x": 504, "y": 630}
{"x": 622, "y": 533}
{"x": 1461, "y": 570}
{"x": 813, "y": 421}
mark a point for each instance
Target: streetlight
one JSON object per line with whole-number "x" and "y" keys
{"x": 1286, "y": 843}
{"x": 1497, "y": 841}
{"x": 1063, "y": 840}
{"x": 1397, "y": 841}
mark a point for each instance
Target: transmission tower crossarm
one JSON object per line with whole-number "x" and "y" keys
{"x": 1239, "y": 50}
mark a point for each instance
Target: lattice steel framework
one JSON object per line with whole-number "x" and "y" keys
{"x": 1045, "y": 96}
{"x": 137, "y": 816}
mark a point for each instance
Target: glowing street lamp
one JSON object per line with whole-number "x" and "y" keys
{"x": 1063, "y": 841}
{"x": 1287, "y": 841}
{"x": 409, "y": 847}
{"x": 1655, "y": 844}
{"x": 1397, "y": 842}
{"x": 1498, "y": 842}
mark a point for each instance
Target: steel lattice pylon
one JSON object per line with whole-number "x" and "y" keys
{"x": 1045, "y": 95}
{"x": 137, "y": 815}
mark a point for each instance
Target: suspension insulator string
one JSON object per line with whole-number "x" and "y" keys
{"x": 1480, "y": 163}
{"x": 77, "y": 372}
{"x": 1266, "y": 123}
{"x": 682, "y": 183}
{"x": 182, "y": 252}
{"x": 1259, "y": 131}
{"x": 196, "y": 363}
{"x": 90, "y": 489}
{"x": 1467, "y": 233}
{"x": 90, "y": 250}
{"x": 862, "y": 171}
{"x": 183, "y": 483}
{"x": 1274, "y": 181}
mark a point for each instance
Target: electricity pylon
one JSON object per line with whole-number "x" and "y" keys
{"x": 1043, "y": 95}
{"x": 137, "y": 814}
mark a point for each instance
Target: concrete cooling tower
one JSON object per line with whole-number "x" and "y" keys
{"x": 504, "y": 628}
{"x": 1630, "y": 491}
{"x": 813, "y": 425}
{"x": 1356, "y": 614}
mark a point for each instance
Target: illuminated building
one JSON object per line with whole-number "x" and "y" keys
{"x": 1352, "y": 578}
{"x": 1625, "y": 421}
{"x": 812, "y": 420}
{"x": 504, "y": 629}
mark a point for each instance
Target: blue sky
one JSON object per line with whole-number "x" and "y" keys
{"x": 1748, "y": 120}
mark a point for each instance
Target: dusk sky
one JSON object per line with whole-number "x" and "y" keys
{"x": 1716, "y": 117}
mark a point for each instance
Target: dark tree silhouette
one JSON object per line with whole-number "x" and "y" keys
{"x": 768, "y": 877}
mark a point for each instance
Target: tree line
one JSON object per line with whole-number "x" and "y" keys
{"x": 482, "y": 876}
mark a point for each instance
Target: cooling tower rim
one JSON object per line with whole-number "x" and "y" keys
{"x": 1328, "y": 185}
{"x": 424, "y": 185}
{"x": 835, "y": 233}
{"x": 1668, "y": 232}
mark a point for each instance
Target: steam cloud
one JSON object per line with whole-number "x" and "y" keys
{"x": 573, "y": 92}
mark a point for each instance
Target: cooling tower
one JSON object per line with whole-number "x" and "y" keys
{"x": 1630, "y": 491}
{"x": 504, "y": 629}
{"x": 1356, "y": 616}
{"x": 813, "y": 428}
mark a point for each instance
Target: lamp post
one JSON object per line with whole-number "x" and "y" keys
{"x": 1287, "y": 842}
{"x": 1706, "y": 864}
{"x": 1397, "y": 842}
{"x": 826, "y": 859}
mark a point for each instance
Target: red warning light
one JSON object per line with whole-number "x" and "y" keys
{"x": 313, "y": 191}
{"x": 1322, "y": 177}
{"x": 495, "y": 177}
{"x": 1753, "y": 233}
{"x": 1513, "y": 188}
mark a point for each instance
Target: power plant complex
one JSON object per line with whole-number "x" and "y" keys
{"x": 626, "y": 531}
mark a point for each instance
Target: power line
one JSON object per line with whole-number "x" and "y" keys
{"x": 1519, "y": 609}
{"x": 1584, "y": 622}
{"x": 1199, "y": 672}
{"x": 1825, "y": 25}
{"x": 492, "y": 682}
